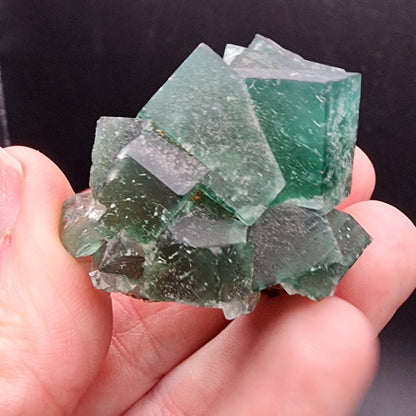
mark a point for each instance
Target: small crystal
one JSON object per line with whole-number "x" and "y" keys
{"x": 79, "y": 229}
{"x": 322, "y": 281}
{"x": 290, "y": 241}
{"x": 118, "y": 264}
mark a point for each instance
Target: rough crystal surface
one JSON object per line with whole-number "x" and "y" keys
{"x": 322, "y": 281}
{"x": 225, "y": 184}
{"x": 118, "y": 264}
{"x": 215, "y": 121}
{"x": 210, "y": 277}
{"x": 309, "y": 114}
{"x": 289, "y": 241}
{"x": 79, "y": 229}
{"x": 111, "y": 135}
{"x": 304, "y": 250}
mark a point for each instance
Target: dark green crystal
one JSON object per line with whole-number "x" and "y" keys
{"x": 289, "y": 241}
{"x": 212, "y": 277}
{"x": 309, "y": 114}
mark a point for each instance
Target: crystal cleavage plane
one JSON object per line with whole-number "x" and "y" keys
{"x": 225, "y": 184}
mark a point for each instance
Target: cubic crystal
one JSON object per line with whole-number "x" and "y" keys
{"x": 309, "y": 114}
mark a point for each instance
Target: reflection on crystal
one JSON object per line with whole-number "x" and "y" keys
{"x": 80, "y": 234}
{"x": 214, "y": 120}
{"x": 121, "y": 256}
{"x": 225, "y": 184}
{"x": 208, "y": 225}
{"x": 309, "y": 114}
{"x": 111, "y": 135}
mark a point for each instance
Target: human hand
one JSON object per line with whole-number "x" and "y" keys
{"x": 66, "y": 348}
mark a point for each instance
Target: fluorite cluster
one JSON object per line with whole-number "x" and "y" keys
{"x": 225, "y": 184}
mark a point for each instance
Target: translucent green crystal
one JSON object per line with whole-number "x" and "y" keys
{"x": 208, "y": 225}
{"x": 217, "y": 277}
{"x": 111, "y": 135}
{"x": 79, "y": 229}
{"x": 215, "y": 121}
{"x": 322, "y": 281}
{"x": 289, "y": 241}
{"x": 146, "y": 186}
{"x": 309, "y": 114}
{"x": 225, "y": 184}
{"x": 315, "y": 123}
{"x": 118, "y": 264}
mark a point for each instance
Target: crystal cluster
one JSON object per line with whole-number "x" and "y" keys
{"x": 225, "y": 184}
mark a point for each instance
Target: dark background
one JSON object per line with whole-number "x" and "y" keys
{"x": 66, "y": 63}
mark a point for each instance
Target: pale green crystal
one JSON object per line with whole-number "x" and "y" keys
{"x": 79, "y": 229}
{"x": 111, "y": 135}
{"x": 263, "y": 53}
{"x": 214, "y": 120}
{"x": 286, "y": 59}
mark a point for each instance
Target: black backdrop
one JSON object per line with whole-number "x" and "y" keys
{"x": 65, "y": 63}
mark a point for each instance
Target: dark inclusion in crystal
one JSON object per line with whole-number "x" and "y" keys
{"x": 225, "y": 184}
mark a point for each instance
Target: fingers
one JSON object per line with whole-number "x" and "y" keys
{"x": 291, "y": 356}
{"x": 140, "y": 353}
{"x": 149, "y": 339}
{"x": 11, "y": 184}
{"x": 385, "y": 275}
{"x": 58, "y": 325}
{"x": 363, "y": 180}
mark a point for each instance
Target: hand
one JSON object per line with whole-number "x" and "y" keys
{"x": 66, "y": 348}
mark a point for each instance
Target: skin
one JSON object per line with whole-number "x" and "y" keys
{"x": 68, "y": 349}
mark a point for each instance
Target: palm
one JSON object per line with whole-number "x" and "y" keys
{"x": 60, "y": 353}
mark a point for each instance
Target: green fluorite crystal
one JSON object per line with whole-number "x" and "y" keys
{"x": 214, "y": 120}
{"x": 309, "y": 114}
{"x": 225, "y": 184}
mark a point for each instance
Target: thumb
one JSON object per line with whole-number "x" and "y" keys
{"x": 54, "y": 327}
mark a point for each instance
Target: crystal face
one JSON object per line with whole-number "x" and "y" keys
{"x": 225, "y": 184}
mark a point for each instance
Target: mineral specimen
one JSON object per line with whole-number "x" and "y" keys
{"x": 225, "y": 184}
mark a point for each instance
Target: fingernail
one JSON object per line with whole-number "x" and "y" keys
{"x": 11, "y": 185}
